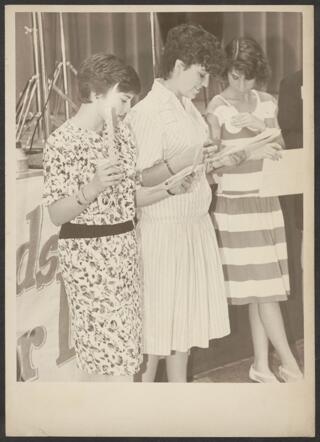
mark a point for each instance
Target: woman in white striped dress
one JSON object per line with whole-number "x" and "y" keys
{"x": 183, "y": 286}
{"x": 250, "y": 228}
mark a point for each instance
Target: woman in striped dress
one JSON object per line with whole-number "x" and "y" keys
{"x": 183, "y": 286}
{"x": 250, "y": 228}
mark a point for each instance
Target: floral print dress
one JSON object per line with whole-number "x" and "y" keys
{"x": 101, "y": 275}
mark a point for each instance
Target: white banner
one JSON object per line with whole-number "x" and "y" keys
{"x": 44, "y": 347}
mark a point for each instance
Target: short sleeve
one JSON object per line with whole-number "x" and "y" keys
{"x": 148, "y": 135}
{"x": 217, "y": 109}
{"x": 268, "y": 108}
{"x": 57, "y": 170}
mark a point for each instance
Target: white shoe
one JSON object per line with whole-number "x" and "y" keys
{"x": 288, "y": 376}
{"x": 263, "y": 378}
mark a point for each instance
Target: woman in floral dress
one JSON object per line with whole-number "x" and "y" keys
{"x": 90, "y": 190}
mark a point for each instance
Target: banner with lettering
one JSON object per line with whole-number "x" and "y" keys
{"x": 44, "y": 346}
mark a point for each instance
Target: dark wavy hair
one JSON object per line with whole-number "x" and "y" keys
{"x": 246, "y": 56}
{"x": 99, "y": 72}
{"x": 191, "y": 44}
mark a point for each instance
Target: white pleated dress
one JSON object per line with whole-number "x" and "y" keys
{"x": 183, "y": 286}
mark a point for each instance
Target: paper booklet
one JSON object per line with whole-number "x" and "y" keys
{"x": 249, "y": 145}
{"x": 197, "y": 167}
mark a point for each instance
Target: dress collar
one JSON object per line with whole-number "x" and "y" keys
{"x": 162, "y": 92}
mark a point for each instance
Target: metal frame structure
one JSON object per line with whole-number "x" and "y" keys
{"x": 31, "y": 126}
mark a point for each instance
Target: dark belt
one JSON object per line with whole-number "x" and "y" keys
{"x": 70, "y": 230}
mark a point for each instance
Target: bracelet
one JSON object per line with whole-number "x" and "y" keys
{"x": 79, "y": 200}
{"x": 166, "y": 162}
{"x": 169, "y": 192}
{"x": 138, "y": 178}
{"x": 84, "y": 197}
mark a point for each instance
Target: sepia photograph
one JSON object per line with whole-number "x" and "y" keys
{"x": 160, "y": 230}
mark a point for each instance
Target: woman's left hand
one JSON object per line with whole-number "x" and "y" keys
{"x": 209, "y": 150}
{"x": 230, "y": 160}
{"x": 184, "y": 185}
{"x": 270, "y": 151}
{"x": 246, "y": 119}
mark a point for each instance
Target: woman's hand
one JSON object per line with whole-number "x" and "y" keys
{"x": 210, "y": 149}
{"x": 108, "y": 173}
{"x": 246, "y": 119}
{"x": 218, "y": 161}
{"x": 184, "y": 185}
{"x": 270, "y": 151}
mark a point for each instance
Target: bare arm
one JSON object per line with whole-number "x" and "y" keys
{"x": 68, "y": 208}
{"x": 273, "y": 122}
{"x": 215, "y": 134}
{"x": 65, "y": 210}
{"x": 146, "y": 196}
{"x": 270, "y": 151}
{"x": 163, "y": 170}
{"x": 228, "y": 161}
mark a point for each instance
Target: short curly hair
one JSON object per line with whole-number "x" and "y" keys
{"x": 99, "y": 72}
{"x": 192, "y": 44}
{"x": 245, "y": 55}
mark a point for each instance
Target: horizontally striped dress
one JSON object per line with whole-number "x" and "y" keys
{"x": 250, "y": 228}
{"x": 183, "y": 286}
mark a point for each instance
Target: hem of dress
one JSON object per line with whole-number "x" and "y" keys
{"x": 103, "y": 373}
{"x": 257, "y": 300}
{"x": 188, "y": 348}
{"x": 132, "y": 372}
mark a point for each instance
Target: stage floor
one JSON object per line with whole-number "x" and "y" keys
{"x": 238, "y": 371}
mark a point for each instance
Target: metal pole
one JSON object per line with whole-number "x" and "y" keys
{"x": 44, "y": 78}
{"x": 153, "y": 44}
{"x": 64, "y": 96}
{"x": 56, "y": 75}
{"x": 36, "y": 64}
{"x": 25, "y": 99}
{"x": 26, "y": 112}
{"x": 64, "y": 63}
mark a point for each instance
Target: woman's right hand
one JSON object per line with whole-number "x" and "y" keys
{"x": 270, "y": 151}
{"x": 108, "y": 173}
{"x": 183, "y": 186}
{"x": 218, "y": 161}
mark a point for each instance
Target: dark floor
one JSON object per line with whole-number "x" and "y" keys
{"x": 238, "y": 371}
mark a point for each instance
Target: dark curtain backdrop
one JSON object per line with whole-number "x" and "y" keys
{"x": 129, "y": 36}
{"x": 279, "y": 34}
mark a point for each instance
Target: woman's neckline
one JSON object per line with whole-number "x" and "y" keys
{"x": 85, "y": 129}
{"x": 181, "y": 102}
{"x": 255, "y": 94}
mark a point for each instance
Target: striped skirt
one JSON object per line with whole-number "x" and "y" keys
{"x": 252, "y": 243}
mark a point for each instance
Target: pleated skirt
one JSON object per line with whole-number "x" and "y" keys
{"x": 252, "y": 242}
{"x": 183, "y": 285}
